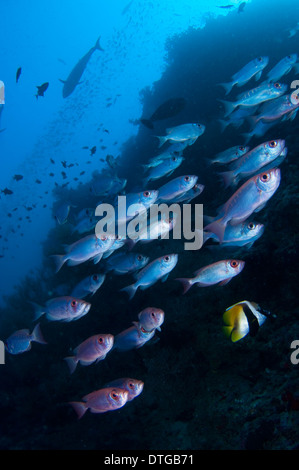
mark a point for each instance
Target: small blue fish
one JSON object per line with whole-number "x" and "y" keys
{"x": 176, "y": 187}
{"x": 157, "y": 269}
{"x": 253, "y": 68}
{"x": 182, "y": 133}
{"x": 88, "y": 285}
{"x": 242, "y": 234}
{"x": 164, "y": 168}
{"x": 283, "y": 67}
{"x": 20, "y": 341}
{"x": 124, "y": 263}
{"x": 230, "y": 154}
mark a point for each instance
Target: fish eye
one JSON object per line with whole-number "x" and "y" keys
{"x": 242, "y": 149}
{"x": 187, "y": 178}
{"x": 131, "y": 385}
{"x": 100, "y": 340}
{"x": 265, "y": 177}
{"x": 166, "y": 258}
{"x": 146, "y": 193}
{"x": 251, "y": 225}
{"x": 114, "y": 395}
{"x": 199, "y": 125}
{"x": 153, "y": 314}
{"x": 95, "y": 277}
{"x": 273, "y": 144}
{"x": 143, "y": 330}
{"x": 277, "y": 85}
{"x": 103, "y": 238}
{"x": 73, "y": 303}
{"x": 260, "y": 59}
{"x": 139, "y": 257}
{"x": 234, "y": 263}
{"x": 174, "y": 159}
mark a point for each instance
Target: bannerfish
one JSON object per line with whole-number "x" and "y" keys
{"x": 170, "y": 108}
{"x": 101, "y": 401}
{"x": 243, "y": 318}
{"x": 74, "y": 77}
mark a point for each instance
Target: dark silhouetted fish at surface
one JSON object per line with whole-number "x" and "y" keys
{"x": 73, "y": 79}
{"x": 19, "y": 71}
{"x": 226, "y": 7}
{"x": 166, "y": 110}
{"x": 6, "y": 191}
{"x": 18, "y": 177}
{"x": 41, "y": 89}
{"x": 241, "y": 7}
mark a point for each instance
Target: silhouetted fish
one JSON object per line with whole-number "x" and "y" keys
{"x": 18, "y": 74}
{"x": 6, "y": 191}
{"x": 166, "y": 110}
{"x": 241, "y": 7}
{"x": 18, "y": 177}
{"x": 41, "y": 89}
{"x": 73, "y": 79}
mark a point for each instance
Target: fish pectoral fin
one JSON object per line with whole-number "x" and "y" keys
{"x": 62, "y": 81}
{"x": 226, "y": 281}
{"x": 258, "y": 76}
{"x": 164, "y": 278}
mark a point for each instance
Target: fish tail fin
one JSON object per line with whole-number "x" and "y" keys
{"x": 38, "y": 310}
{"x": 80, "y": 407}
{"x": 131, "y": 290}
{"x": 227, "y": 87}
{"x": 148, "y": 123}
{"x": 71, "y": 362}
{"x": 98, "y": 45}
{"x": 223, "y": 124}
{"x": 162, "y": 139}
{"x": 206, "y": 236}
{"x": 37, "y": 335}
{"x": 229, "y": 107}
{"x": 218, "y": 228}
{"x": 186, "y": 283}
{"x": 228, "y": 178}
{"x": 59, "y": 261}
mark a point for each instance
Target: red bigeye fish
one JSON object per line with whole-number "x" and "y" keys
{"x": 150, "y": 318}
{"x": 62, "y": 309}
{"x": 253, "y": 161}
{"x": 221, "y": 272}
{"x": 88, "y": 285}
{"x": 101, "y": 401}
{"x": 20, "y": 341}
{"x": 251, "y": 197}
{"x": 133, "y": 386}
{"x": 93, "y": 349}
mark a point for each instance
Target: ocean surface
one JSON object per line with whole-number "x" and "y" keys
{"x": 157, "y": 65}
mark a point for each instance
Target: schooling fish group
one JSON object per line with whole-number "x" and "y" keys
{"x": 257, "y": 168}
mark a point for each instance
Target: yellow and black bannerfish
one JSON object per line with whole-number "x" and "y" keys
{"x": 243, "y": 318}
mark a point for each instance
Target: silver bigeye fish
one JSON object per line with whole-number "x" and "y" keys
{"x": 74, "y": 77}
{"x": 176, "y": 187}
{"x": 251, "y": 197}
{"x": 93, "y": 349}
{"x": 164, "y": 168}
{"x": 283, "y": 108}
{"x": 283, "y": 67}
{"x": 157, "y": 269}
{"x": 220, "y": 272}
{"x": 150, "y": 320}
{"x": 253, "y": 68}
{"x": 64, "y": 309}
{"x": 190, "y": 194}
{"x": 124, "y": 263}
{"x": 20, "y": 341}
{"x": 242, "y": 234}
{"x": 88, "y": 286}
{"x": 184, "y": 132}
{"x": 85, "y": 224}
{"x": 230, "y": 154}
{"x": 101, "y": 401}
{"x": 89, "y": 247}
{"x": 155, "y": 229}
{"x": 256, "y": 96}
{"x": 133, "y": 386}
{"x": 253, "y": 161}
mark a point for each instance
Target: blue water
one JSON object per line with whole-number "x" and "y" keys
{"x": 199, "y": 388}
